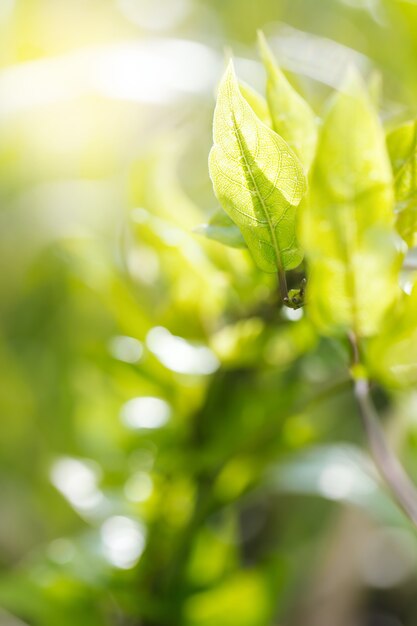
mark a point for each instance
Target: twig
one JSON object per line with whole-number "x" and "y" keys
{"x": 390, "y": 468}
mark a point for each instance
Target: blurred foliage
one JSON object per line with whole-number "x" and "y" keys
{"x": 170, "y": 450}
{"x": 347, "y": 222}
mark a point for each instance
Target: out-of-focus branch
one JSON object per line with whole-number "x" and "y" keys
{"x": 389, "y": 466}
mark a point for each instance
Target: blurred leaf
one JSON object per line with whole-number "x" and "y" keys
{"x": 222, "y": 229}
{"x": 375, "y": 87}
{"x": 392, "y": 355}
{"x": 240, "y": 343}
{"x": 213, "y": 556}
{"x": 402, "y": 148}
{"x": 257, "y": 179}
{"x": 342, "y": 473}
{"x": 242, "y": 600}
{"x": 292, "y": 117}
{"x": 47, "y": 598}
{"x": 256, "y": 102}
{"x": 347, "y": 221}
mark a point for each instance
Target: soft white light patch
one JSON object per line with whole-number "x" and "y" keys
{"x": 336, "y": 472}
{"x": 123, "y": 541}
{"x": 179, "y": 355}
{"x": 143, "y": 264}
{"x": 153, "y": 71}
{"x": 138, "y": 487}
{"x": 320, "y": 58}
{"x": 156, "y": 15}
{"x": 406, "y": 284}
{"x": 293, "y": 315}
{"x": 6, "y": 8}
{"x": 127, "y": 349}
{"x": 77, "y": 481}
{"x": 139, "y": 215}
{"x": 145, "y": 412}
{"x": 336, "y": 481}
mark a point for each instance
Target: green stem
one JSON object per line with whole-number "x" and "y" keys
{"x": 282, "y": 282}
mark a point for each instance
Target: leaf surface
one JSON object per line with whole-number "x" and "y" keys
{"x": 392, "y": 354}
{"x": 222, "y": 229}
{"x": 292, "y": 117}
{"x": 257, "y": 179}
{"x": 402, "y": 147}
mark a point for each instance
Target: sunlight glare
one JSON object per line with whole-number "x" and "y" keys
{"x": 145, "y": 412}
{"x": 126, "y": 349}
{"x": 77, "y": 480}
{"x": 123, "y": 541}
{"x": 179, "y": 355}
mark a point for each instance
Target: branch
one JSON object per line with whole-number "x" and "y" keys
{"x": 390, "y": 468}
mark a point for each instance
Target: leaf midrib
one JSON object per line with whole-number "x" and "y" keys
{"x": 275, "y": 243}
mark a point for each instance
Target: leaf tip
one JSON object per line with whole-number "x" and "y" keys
{"x": 230, "y": 73}
{"x": 264, "y": 49}
{"x": 353, "y": 82}
{"x": 261, "y": 38}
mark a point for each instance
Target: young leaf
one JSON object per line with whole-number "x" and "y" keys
{"x": 257, "y": 179}
{"x": 257, "y": 102}
{"x": 347, "y": 223}
{"x": 292, "y": 118}
{"x": 222, "y": 229}
{"x": 402, "y": 148}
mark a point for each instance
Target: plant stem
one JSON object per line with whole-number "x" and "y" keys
{"x": 387, "y": 463}
{"x": 282, "y": 283}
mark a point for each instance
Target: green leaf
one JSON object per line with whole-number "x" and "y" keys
{"x": 257, "y": 102}
{"x": 257, "y": 179}
{"x": 292, "y": 117}
{"x": 392, "y": 355}
{"x": 222, "y": 229}
{"x": 375, "y": 87}
{"x": 347, "y": 226}
{"x": 303, "y": 474}
{"x": 402, "y": 148}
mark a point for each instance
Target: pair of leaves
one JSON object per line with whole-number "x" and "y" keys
{"x": 256, "y": 174}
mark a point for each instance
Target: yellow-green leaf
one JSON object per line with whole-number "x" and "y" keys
{"x": 292, "y": 117}
{"x": 222, "y": 229}
{"x": 402, "y": 147}
{"x": 257, "y": 179}
{"x": 257, "y": 102}
{"x": 347, "y": 224}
